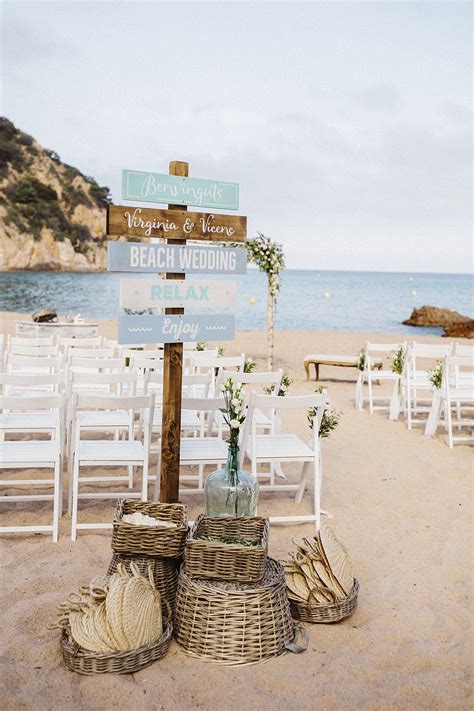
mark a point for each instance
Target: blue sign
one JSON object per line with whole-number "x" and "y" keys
{"x": 176, "y": 190}
{"x": 189, "y": 259}
{"x": 150, "y": 328}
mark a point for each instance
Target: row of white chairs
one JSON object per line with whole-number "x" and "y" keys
{"x": 412, "y": 393}
{"x": 205, "y": 447}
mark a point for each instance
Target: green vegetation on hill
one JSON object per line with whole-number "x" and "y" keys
{"x": 38, "y": 191}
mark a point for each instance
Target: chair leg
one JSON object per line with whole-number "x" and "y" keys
{"x": 56, "y": 500}
{"x": 156, "y": 495}
{"x": 302, "y": 484}
{"x": 145, "y": 481}
{"x": 75, "y": 492}
{"x": 449, "y": 422}
{"x": 408, "y": 407}
{"x": 371, "y": 400}
{"x": 317, "y": 492}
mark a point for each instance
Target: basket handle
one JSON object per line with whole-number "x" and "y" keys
{"x": 292, "y": 646}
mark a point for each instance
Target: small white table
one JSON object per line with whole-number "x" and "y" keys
{"x": 61, "y": 328}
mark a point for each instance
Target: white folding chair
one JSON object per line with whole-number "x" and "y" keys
{"x": 416, "y": 386}
{"x": 44, "y": 341}
{"x": 37, "y": 454}
{"x": 31, "y": 384}
{"x": 106, "y": 452}
{"x": 201, "y": 450}
{"x": 370, "y": 376}
{"x": 456, "y": 395}
{"x": 286, "y": 447}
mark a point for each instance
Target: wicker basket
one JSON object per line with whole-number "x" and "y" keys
{"x": 165, "y": 572}
{"x": 132, "y": 660}
{"x": 229, "y": 623}
{"x": 147, "y": 540}
{"x": 211, "y": 560}
{"x": 324, "y": 614}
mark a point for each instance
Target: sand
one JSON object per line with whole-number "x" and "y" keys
{"x": 400, "y": 502}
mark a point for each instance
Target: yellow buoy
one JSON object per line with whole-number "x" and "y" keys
{"x": 327, "y": 294}
{"x": 253, "y": 300}
{"x": 413, "y": 292}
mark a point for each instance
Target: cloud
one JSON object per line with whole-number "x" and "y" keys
{"x": 23, "y": 44}
{"x": 378, "y": 97}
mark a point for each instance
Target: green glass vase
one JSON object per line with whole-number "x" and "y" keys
{"x": 231, "y": 491}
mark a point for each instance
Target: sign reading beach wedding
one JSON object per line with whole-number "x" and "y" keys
{"x": 152, "y": 257}
{"x": 157, "y": 187}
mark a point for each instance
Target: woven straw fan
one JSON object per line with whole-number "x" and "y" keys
{"x": 338, "y": 558}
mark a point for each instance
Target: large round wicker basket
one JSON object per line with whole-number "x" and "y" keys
{"x": 230, "y": 623}
{"x": 324, "y": 614}
{"x": 84, "y": 662}
{"x": 165, "y": 572}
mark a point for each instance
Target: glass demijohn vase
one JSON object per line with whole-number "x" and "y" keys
{"x": 231, "y": 491}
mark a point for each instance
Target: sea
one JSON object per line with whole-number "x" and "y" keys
{"x": 310, "y": 300}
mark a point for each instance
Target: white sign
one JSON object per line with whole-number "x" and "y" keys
{"x": 149, "y": 293}
{"x": 158, "y": 257}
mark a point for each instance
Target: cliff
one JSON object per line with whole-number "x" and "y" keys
{"x": 52, "y": 217}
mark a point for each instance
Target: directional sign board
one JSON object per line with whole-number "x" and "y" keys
{"x": 150, "y": 293}
{"x": 157, "y": 257}
{"x": 150, "y": 328}
{"x": 176, "y": 190}
{"x": 175, "y": 224}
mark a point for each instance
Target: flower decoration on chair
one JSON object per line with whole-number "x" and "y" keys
{"x": 329, "y": 421}
{"x": 398, "y": 360}
{"x": 249, "y": 365}
{"x": 361, "y": 359}
{"x": 286, "y": 381}
{"x": 435, "y": 375}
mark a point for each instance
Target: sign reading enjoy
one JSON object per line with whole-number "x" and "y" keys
{"x": 177, "y": 190}
{"x": 149, "y": 293}
{"x": 153, "y": 257}
{"x": 175, "y": 224}
{"x": 148, "y": 328}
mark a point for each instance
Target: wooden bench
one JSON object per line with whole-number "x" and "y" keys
{"x": 343, "y": 361}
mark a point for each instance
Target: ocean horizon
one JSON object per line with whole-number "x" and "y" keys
{"x": 309, "y": 299}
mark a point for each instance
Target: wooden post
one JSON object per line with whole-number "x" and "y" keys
{"x": 172, "y": 385}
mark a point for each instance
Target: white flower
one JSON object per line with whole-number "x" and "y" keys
{"x": 249, "y": 360}
{"x": 235, "y": 402}
{"x": 234, "y": 424}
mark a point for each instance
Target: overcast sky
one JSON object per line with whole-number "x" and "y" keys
{"x": 347, "y": 125}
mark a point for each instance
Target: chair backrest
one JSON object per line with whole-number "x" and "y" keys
{"x": 318, "y": 401}
{"x": 458, "y": 371}
{"x": 425, "y": 352}
{"x": 269, "y": 379}
{"x": 52, "y": 403}
{"x": 46, "y": 341}
{"x": 35, "y": 351}
{"x": 27, "y": 382}
{"x": 205, "y": 405}
{"x": 122, "y": 383}
{"x": 372, "y": 350}
{"x": 218, "y": 363}
{"x": 33, "y": 364}
{"x": 73, "y": 352}
{"x": 103, "y": 365}
{"x": 92, "y": 342}
{"x": 143, "y": 363}
{"x": 463, "y": 349}
{"x": 197, "y": 385}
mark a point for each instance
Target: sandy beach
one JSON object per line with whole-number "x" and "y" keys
{"x": 400, "y": 502}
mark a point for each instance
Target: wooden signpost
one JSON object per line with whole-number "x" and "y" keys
{"x": 174, "y": 328}
{"x": 141, "y": 186}
{"x": 146, "y": 222}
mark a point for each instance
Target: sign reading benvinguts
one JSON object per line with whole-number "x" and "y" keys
{"x": 149, "y": 328}
{"x": 178, "y": 190}
{"x": 175, "y": 224}
{"x": 153, "y": 257}
{"x": 176, "y": 293}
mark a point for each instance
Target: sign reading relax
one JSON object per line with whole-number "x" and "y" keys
{"x": 175, "y": 224}
{"x": 177, "y": 190}
{"x": 149, "y": 293}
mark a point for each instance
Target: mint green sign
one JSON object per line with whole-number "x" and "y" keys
{"x": 174, "y": 190}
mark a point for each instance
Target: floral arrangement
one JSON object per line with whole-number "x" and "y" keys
{"x": 202, "y": 346}
{"x": 220, "y": 351}
{"x": 249, "y": 365}
{"x": 269, "y": 258}
{"x": 330, "y": 419}
{"x": 233, "y": 410}
{"x": 435, "y": 375}
{"x": 361, "y": 359}
{"x": 286, "y": 381}
{"x": 398, "y": 360}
